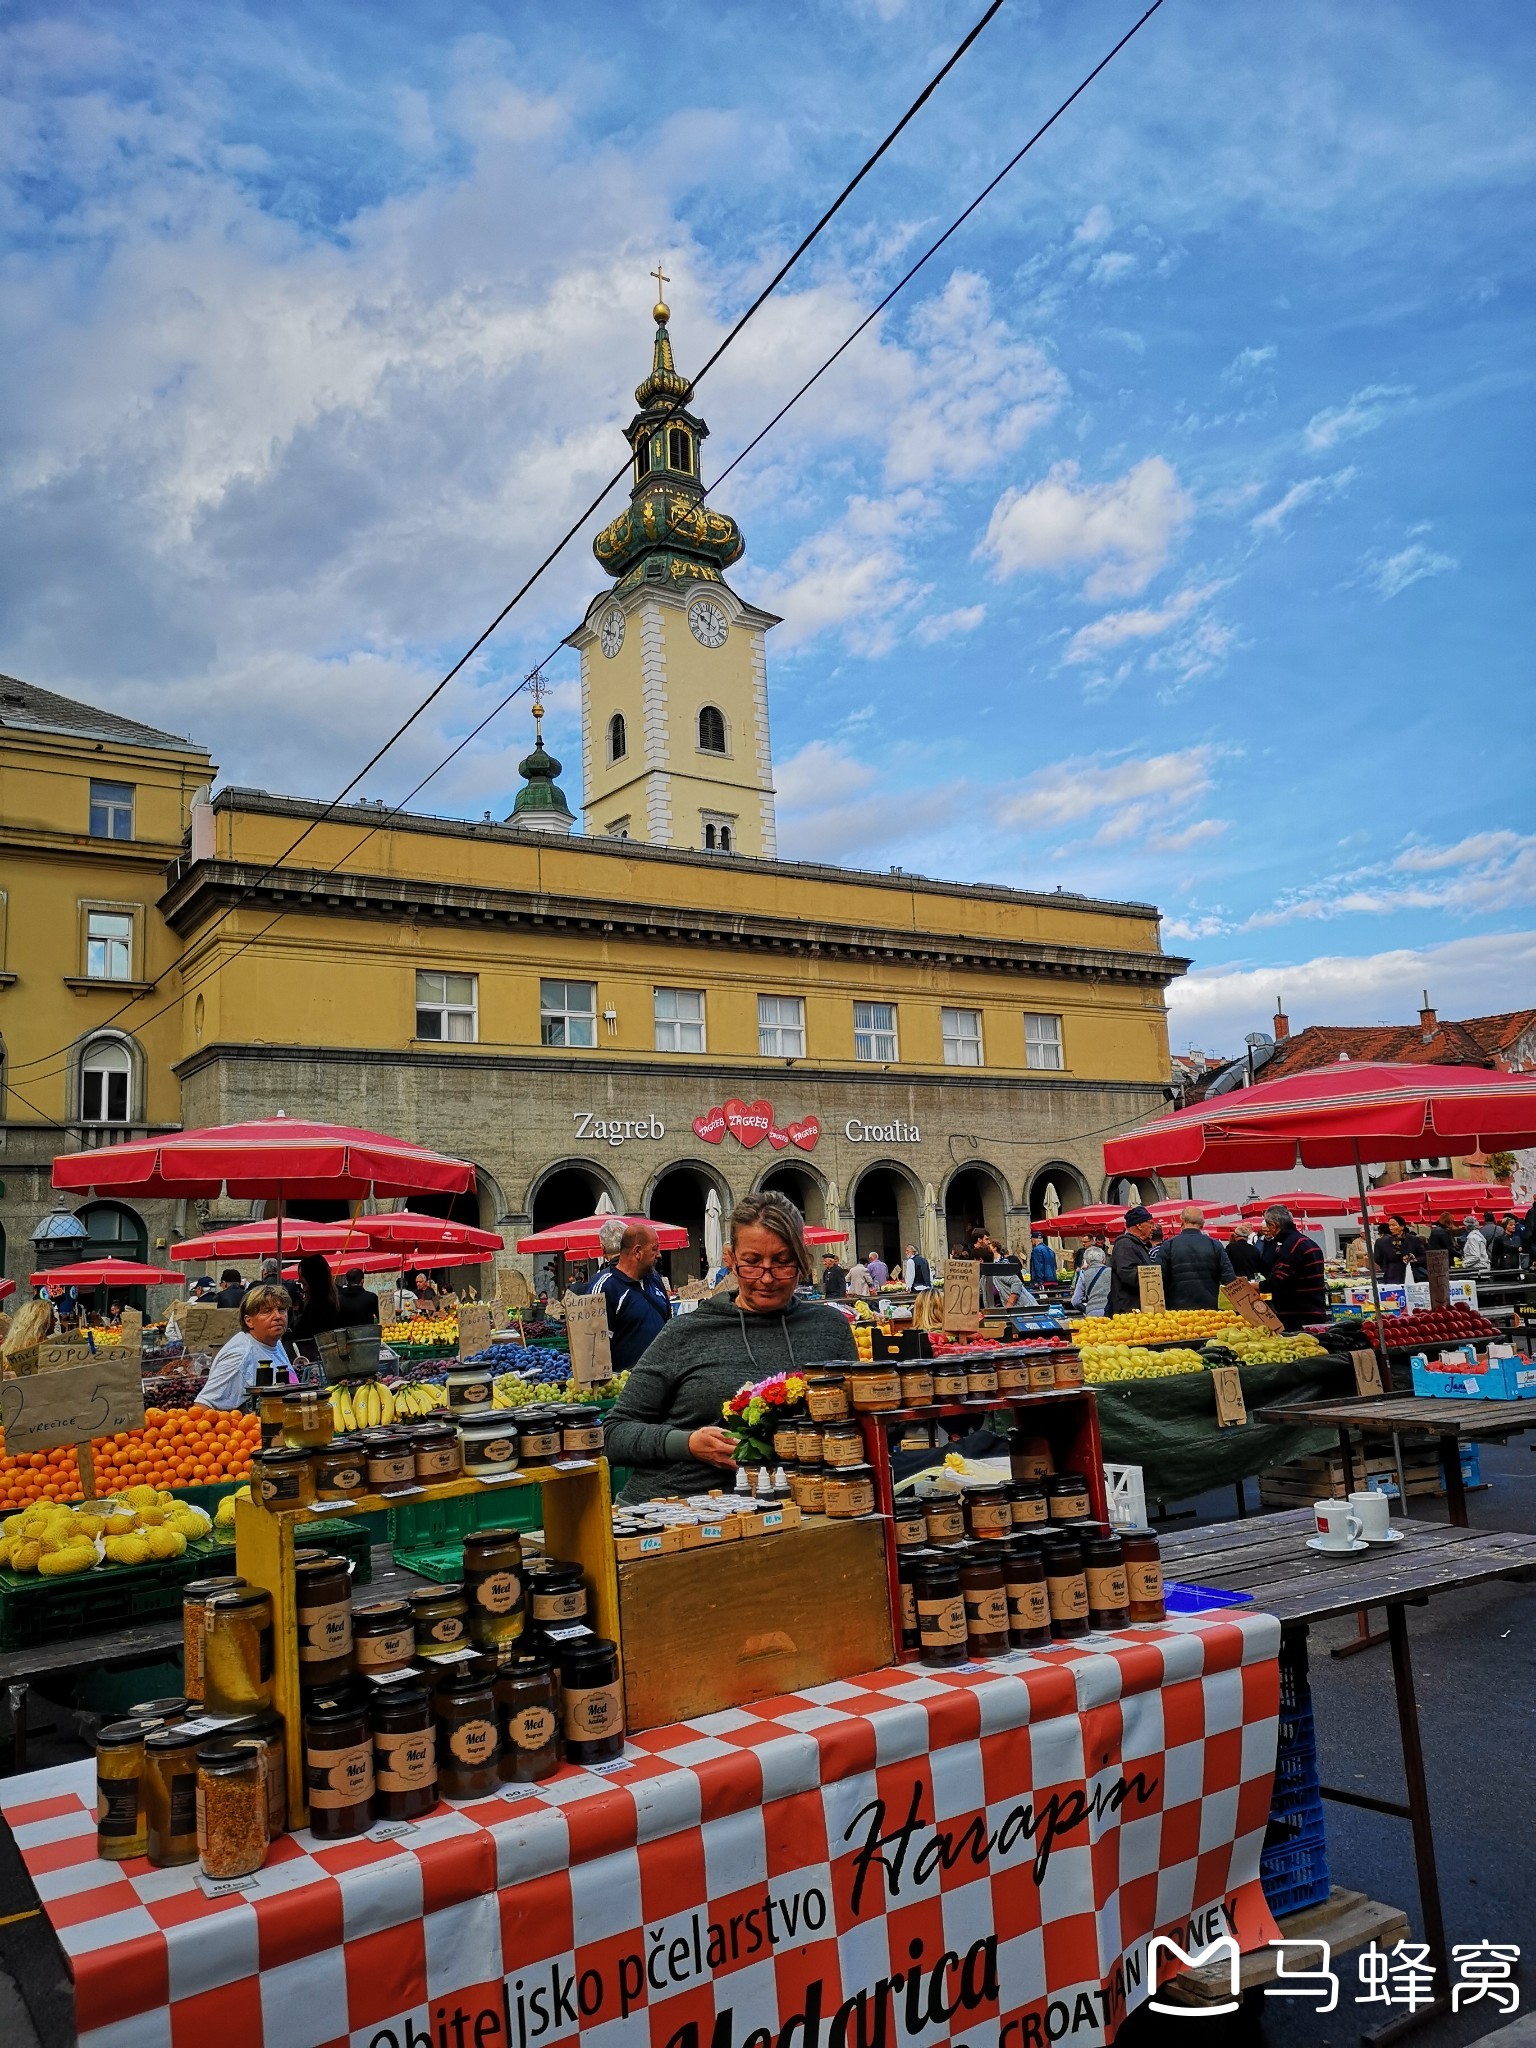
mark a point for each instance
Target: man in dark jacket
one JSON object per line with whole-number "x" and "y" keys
{"x": 1243, "y": 1253}
{"x": 231, "y": 1289}
{"x": 1195, "y": 1267}
{"x": 1134, "y": 1249}
{"x": 1298, "y": 1285}
{"x": 834, "y": 1279}
{"x": 638, "y": 1308}
{"x": 358, "y": 1304}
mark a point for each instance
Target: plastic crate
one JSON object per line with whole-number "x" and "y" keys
{"x": 427, "y": 1537}
{"x": 352, "y": 1539}
{"x": 1182, "y": 1598}
{"x": 1296, "y": 1752}
{"x": 1295, "y": 1876}
{"x": 1295, "y": 1685}
{"x": 1127, "y": 1496}
{"x": 35, "y": 1610}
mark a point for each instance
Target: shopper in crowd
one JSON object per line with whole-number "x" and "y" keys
{"x": 1442, "y": 1236}
{"x": 916, "y": 1273}
{"x": 1503, "y": 1245}
{"x": 1398, "y": 1248}
{"x": 202, "y": 1289}
{"x": 1042, "y": 1264}
{"x": 638, "y": 1305}
{"x": 231, "y": 1289}
{"x": 1298, "y": 1280}
{"x": 666, "y": 1425}
{"x": 860, "y": 1286}
{"x": 258, "y": 1341}
{"x": 358, "y": 1304}
{"x": 610, "y": 1236}
{"x": 1090, "y": 1291}
{"x": 1241, "y": 1255}
{"x": 1195, "y": 1266}
{"x": 1475, "y": 1257}
{"x": 879, "y": 1272}
{"x": 1528, "y": 1236}
{"x": 1357, "y": 1257}
{"x": 834, "y": 1278}
{"x": 319, "y": 1307}
{"x": 1133, "y": 1249}
{"x": 271, "y": 1269}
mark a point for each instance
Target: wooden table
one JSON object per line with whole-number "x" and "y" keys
{"x": 1451, "y": 1422}
{"x": 1268, "y": 1557}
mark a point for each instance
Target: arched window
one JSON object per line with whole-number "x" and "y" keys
{"x": 113, "y": 1231}
{"x": 106, "y": 1082}
{"x": 680, "y": 450}
{"x": 725, "y": 838}
{"x": 711, "y": 730}
{"x": 642, "y": 458}
{"x": 618, "y": 737}
{"x": 709, "y": 838}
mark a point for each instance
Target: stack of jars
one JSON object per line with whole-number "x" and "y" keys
{"x": 978, "y": 1598}
{"x": 821, "y": 1450}
{"x": 304, "y": 1462}
{"x": 178, "y": 1787}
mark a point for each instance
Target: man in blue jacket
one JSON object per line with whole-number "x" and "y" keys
{"x": 1042, "y": 1263}
{"x": 638, "y": 1305}
{"x": 1195, "y": 1267}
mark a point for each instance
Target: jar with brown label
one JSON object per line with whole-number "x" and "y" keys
{"x": 1109, "y": 1594}
{"x": 944, "y": 1515}
{"x": 949, "y": 1381}
{"x": 940, "y": 1612}
{"x": 528, "y": 1712}
{"x": 489, "y": 1445}
{"x": 808, "y": 1443}
{"x": 269, "y": 1733}
{"x": 1144, "y": 1575}
{"x": 908, "y": 1566}
{"x": 916, "y": 1385}
{"x": 468, "y": 1388}
{"x": 980, "y": 1377}
{"x": 171, "y": 1797}
{"x": 467, "y": 1736}
{"x": 848, "y": 1490}
{"x": 440, "y": 1619}
{"x": 826, "y": 1397}
{"x": 557, "y": 1593}
{"x": 581, "y": 1430}
{"x": 1013, "y": 1375}
{"x": 438, "y": 1452}
{"x": 1031, "y": 1457}
{"x": 915, "y": 1436}
{"x": 391, "y": 1459}
{"x": 282, "y": 1478}
{"x": 237, "y": 1651}
{"x": 842, "y": 1444}
{"x": 786, "y": 1442}
{"x": 538, "y": 1436}
{"x": 1029, "y": 1607}
{"x": 338, "y": 1768}
{"x": 909, "y": 1523}
{"x": 231, "y": 1810}
{"x": 341, "y": 1469}
{"x": 1042, "y": 1374}
{"x": 1066, "y": 1586}
{"x": 121, "y": 1819}
{"x": 309, "y": 1422}
{"x": 323, "y": 1592}
{"x": 874, "y": 1386}
{"x": 493, "y": 1586}
{"x": 808, "y": 1490}
{"x": 1069, "y": 1369}
{"x": 383, "y": 1638}
{"x": 1026, "y": 1504}
{"x": 404, "y": 1752}
{"x": 986, "y": 1601}
{"x": 988, "y": 1515}
{"x": 592, "y": 1700}
{"x": 1066, "y": 1497}
{"x": 193, "y": 1597}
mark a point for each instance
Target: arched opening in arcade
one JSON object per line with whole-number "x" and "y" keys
{"x": 886, "y": 1214}
{"x": 680, "y": 1195}
{"x": 561, "y": 1195}
{"x": 114, "y": 1231}
{"x": 975, "y": 1199}
{"x": 476, "y": 1207}
{"x": 802, "y": 1187}
{"x": 1055, "y": 1189}
{"x": 1133, "y": 1188}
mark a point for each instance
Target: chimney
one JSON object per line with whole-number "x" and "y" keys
{"x": 1282, "y": 1023}
{"x": 1427, "y": 1022}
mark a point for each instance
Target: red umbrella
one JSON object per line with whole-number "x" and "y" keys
{"x": 259, "y": 1240}
{"x": 1096, "y": 1216}
{"x": 1430, "y": 1197}
{"x": 391, "y": 1262}
{"x": 1172, "y": 1210}
{"x": 819, "y": 1233}
{"x": 1300, "y": 1203}
{"x": 578, "y": 1240}
{"x": 105, "y": 1273}
{"x": 404, "y": 1226}
{"x": 276, "y": 1158}
{"x": 7, "y": 1287}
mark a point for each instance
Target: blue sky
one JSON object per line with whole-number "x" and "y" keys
{"x": 1163, "y": 541}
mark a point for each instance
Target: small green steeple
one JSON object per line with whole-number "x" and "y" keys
{"x": 540, "y": 805}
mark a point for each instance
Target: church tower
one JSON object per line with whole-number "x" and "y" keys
{"x": 674, "y": 673}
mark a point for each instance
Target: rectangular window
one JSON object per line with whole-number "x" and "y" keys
{"x": 104, "y": 1095}
{"x": 108, "y": 945}
{"x": 567, "y": 1013}
{"x": 962, "y": 1037}
{"x": 874, "y": 1032}
{"x": 1042, "y": 1041}
{"x": 679, "y": 1020}
{"x": 781, "y": 1027}
{"x": 111, "y": 810}
{"x": 446, "y": 1007}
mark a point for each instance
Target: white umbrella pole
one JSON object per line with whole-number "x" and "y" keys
{"x": 1370, "y": 1256}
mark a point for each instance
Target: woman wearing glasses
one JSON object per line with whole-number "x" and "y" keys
{"x": 666, "y": 1424}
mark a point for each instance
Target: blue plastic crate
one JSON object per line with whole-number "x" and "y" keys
{"x": 1295, "y": 1812}
{"x": 1295, "y": 1686}
{"x": 1296, "y": 1876}
{"x": 1182, "y": 1598}
{"x": 1296, "y": 1751}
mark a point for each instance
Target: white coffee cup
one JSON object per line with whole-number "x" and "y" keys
{"x": 1338, "y": 1526}
{"x": 1373, "y": 1511}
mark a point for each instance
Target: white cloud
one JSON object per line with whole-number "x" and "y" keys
{"x": 1391, "y": 576}
{"x": 1363, "y": 413}
{"x": 1126, "y": 527}
{"x": 1088, "y": 643}
{"x": 1095, "y": 225}
{"x": 950, "y": 625}
{"x": 1112, "y": 266}
{"x": 1485, "y": 873}
{"x": 1247, "y": 361}
{"x": 853, "y": 577}
{"x": 822, "y": 772}
{"x": 1273, "y": 518}
{"x": 824, "y": 813}
{"x": 1132, "y": 799}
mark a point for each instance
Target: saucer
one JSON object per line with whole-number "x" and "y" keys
{"x": 1337, "y": 1549}
{"x": 1392, "y": 1536}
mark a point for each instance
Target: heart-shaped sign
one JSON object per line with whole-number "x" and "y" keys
{"x": 748, "y": 1122}
{"x": 804, "y": 1133}
{"x": 711, "y": 1126}
{"x": 777, "y": 1139}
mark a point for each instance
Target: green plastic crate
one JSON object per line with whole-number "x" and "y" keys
{"x": 35, "y": 1610}
{"x": 428, "y": 1536}
{"x": 351, "y": 1538}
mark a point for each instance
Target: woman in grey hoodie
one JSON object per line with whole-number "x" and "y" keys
{"x": 667, "y": 1424}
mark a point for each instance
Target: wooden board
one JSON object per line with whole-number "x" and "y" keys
{"x": 1345, "y": 1920}
{"x": 708, "y": 1629}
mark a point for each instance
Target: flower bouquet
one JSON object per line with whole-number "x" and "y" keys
{"x": 751, "y": 1413}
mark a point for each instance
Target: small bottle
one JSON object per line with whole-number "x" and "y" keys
{"x": 1109, "y": 1598}
{"x": 528, "y": 1711}
{"x": 121, "y": 1821}
{"x": 404, "y": 1752}
{"x": 940, "y": 1613}
{"x": 1066, "y": 1586}
{"x": 231, "y": 1810}
{"x": 592, "y": 1700}
{"x": 1029, "y": 1607}
{"x": 986, "y": 1601}
{"x": 1144, "y": 1575}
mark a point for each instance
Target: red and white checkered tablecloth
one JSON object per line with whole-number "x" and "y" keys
{"x": 910, "y": 1857}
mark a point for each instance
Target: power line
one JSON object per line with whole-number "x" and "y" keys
{"x": 579, "y": 523}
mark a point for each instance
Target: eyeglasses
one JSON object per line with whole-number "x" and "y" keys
{"x": 750, "y": 1264}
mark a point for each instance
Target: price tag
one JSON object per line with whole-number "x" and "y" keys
{"x": 389, "y": 1304}
{"x": 72, "y": 1405}
{"x": 1367, "y": 1372}
{"x": 392, "y": 1830}
{"x": 1231, "y": 1408}
{"x": 962, "y": 1294}
{"x": 586, "y": 1319}
{"x": 331, "y": 1507}
{"x": 221, "y": 1887}
{"x": 1252, "y": 1307}
{"x": 1149, "y": 1282}
{"x": 474, "y": 1328}
{"x": 510, "y": 1792}
{"x": 497, "y": 1478}
{"x": 394, "y": 1677}
{"x": 454, "y": 1656}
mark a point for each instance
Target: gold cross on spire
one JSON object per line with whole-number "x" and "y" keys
{"x": 662, "y": 281}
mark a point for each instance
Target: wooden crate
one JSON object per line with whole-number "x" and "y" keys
{"x": 1322, "y": 1478}
{"x": 738, "y": 1622}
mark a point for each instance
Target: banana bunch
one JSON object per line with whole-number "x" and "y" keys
{"x": 365, "y": 1404}
{"x": 422, "y": 1399}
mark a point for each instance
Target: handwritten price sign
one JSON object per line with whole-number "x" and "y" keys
{"x": 72, "y": 1405}
{"x": 587, "y": 1322}
{"x": 962, "y": 1294}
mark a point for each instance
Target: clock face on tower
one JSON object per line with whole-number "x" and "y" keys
{"x": 707, "y": 622}
{"x": 610, "y": 634}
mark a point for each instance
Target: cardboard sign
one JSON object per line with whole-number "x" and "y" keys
{"x": 1231, "y": 1408}
{"x": 389, "y": 1304}
{"x": 205, "y": 1329}
{"x": 962, "y": 1294}
{"x": 1149, "y": 1280}
{"x": 694, "y": 1290}
{"x": 474, "y": 1328}
{"x": 1252, "y": 1307}
{"x": 587, "y": 1323}
{"x": 1367, "y": 1372}
{"x": 65, "y": 1351}
{"x": 513, "y": 1288}
{"x": 1438, "y": 1274}
{"x": 72, "y": 1405}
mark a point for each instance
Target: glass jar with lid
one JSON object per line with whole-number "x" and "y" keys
{"x": 786, "y": 1441}
{"x": 1029, "y": 1607}
{"x": 916, "y": 1381}
{"x": 557, "y": 1593}
{"x": 949, "y": 1380}
{"x": 1031, "y": 1457}
{"x": 391, "y": 1457}
{"x": 808, "y": 1437}
{"x": 464, "y": 1707}
{"x": 592, "y": 1700}
{"x": 988, "y": 1512}
{"x": 323, "y": 1595}
{"x": 807, "y": 1487}
{"x": 848, "y": 1490}
{"x": 469, "y": 1387}
{"x": 986, "y": 1600}
{"x": 874, "y": 1385}
{"x": 438, "y": 1453}
{"x": 1069, "y": 1367}
{"x": 121, "y": 1820}
{"x": 237, "y": 1651}
{"x": 1066, "y": 1497}
{"x": 980, "y": 1377}
{"x": 269, "y": 1410}
{"x": 940, "y": 1611}
{"x": 581, "y": 1430}
{"x": 528, "y": 1712}
{"x": 170, "y": 1796}
{"x": 338, "y": 1767}
{"x": 309, "y": 1421}
{"x": 1013, "y": 1374}
{"x": 1144, "y": 1575}
{"x": 908, "y": 1523}
{"x": 283, "y": 1478}
{"x": 826, "y": 1397}
{"x": 269, "y": 1733}
{"x": 490, "y": 1444}
{"x": 907, "y": 1567}
{"x": 1042, "y": 1373}
{"x": 1026, "y": 1503}
{"x": 1066, "y": 1585}
{"x": 341, "y": 1469}
{"x": 1109, "y": 1596}
{"x": 440, "y": 1620}
{"x": 173, "y": 1708}
{"x": 193, "y": 1596}
{"x": 842, "y": 1443}
{"x": 944, "y": 1514}
{"x": 383, "y": 1638}
{"x": 404, "y": 1752}
{"x": 538, "y": 1436}
{"x": 493, "y": 1586}
{"x": 231, "y": 1810}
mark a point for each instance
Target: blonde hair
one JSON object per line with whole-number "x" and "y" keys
{"x": 777, "y": 1213}
{"x": 265, "y": 1294}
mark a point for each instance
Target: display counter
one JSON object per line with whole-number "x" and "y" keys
{"x": 985, "y": 1850}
